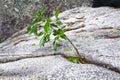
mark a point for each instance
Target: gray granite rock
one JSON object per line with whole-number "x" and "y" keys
{"x": 99, "y": 40}
{"x": 54, "y": 68}
{"x": 96, "y": 34}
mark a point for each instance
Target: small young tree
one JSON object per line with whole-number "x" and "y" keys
{"x": 52, "y": 27}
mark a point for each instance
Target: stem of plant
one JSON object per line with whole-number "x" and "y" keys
{"x": 82, "y": 60}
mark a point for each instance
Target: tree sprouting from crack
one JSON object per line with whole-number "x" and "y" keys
{"x": 54, "y": 28}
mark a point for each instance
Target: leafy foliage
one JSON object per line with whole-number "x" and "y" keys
{"x": 73, "y": 59}
{"x": 50, "y": 28}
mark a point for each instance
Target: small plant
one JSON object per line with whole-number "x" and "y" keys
{"x": 51, "y": 27}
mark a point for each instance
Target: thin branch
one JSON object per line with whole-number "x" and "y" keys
{"x": 81, "y": 58}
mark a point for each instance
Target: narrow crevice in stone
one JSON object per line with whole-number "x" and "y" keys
{"x": 107, "y": 66}
{"x": 14, "y": 58}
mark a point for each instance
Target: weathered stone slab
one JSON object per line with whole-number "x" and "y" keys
{"x": 96, "y": 34}
{"x": 54, "y": 67}
{"x": 99, "y": 40}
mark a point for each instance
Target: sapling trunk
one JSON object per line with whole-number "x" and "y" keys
{"x": 82, "y": 60}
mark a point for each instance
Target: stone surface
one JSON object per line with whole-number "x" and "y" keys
{"x": 15, "y": 14}
{"x": 54, "y": 68}
{"x": 94, "y": 31}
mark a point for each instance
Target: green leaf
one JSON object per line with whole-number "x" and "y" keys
{"x": 42, "y": 11}
{"x": 78, "y": 45}
{"x": 73, "y": 59}
{"x": 42, "y": 41}
{"x": 29, "y": 28}
{"x": 63, "y": 37}
{"x": 40, "y": 34}
{"x": 33, "y": 28}
{"x": 57, "y": 37}
{"x": 55, "y": 32}
{"x": 34, "y": 21}
{"x": 47, "y": 26}
{"x": 63, "y": 28}
{"x": 55, "y": 45}
{"x": 47, "y": 37}
{"x": 59, "y": 23}
{"x": 67, "y": 49}
{"x": 33, "y": 44}
{"x": 53, "y": 24}
{"x": 57, "y": 13}
{"x": 35, "y": 14}
{"x": 115, "y": 30}
{"x": 60, "y": 31}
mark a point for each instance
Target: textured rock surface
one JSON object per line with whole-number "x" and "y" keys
{"x": 15, "y": 14}
{"x": 96, "y": 33}
{"x": 54, "y": 68}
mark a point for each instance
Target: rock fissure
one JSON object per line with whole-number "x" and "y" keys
{"x": 14, "y": 58}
